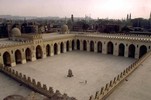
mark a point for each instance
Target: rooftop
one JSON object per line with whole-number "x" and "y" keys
{"x": 138, "y": 85}
{"x": 52, "y": 36}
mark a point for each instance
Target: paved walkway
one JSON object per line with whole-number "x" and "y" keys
{"x": 138, "y": 86}
{"x": 96, "y": 68}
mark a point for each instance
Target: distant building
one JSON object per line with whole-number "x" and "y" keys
{"x": 77, "y": 28}
{"x": 29, "y": 27}
{"x": 109, "y": 28}
{"x": 55, "y": 28}
{"x": 5, "y": 29}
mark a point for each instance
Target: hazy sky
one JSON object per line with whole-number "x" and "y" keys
{"x": 79, "y": 8}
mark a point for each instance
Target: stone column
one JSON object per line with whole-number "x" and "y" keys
{"x": 147, "y": 49}
{"x": 75, "y": 45}
{"x": 126, "y": 51}
{"x": 88, "y": 46}
{"x": 104, "y": 48}
{"x": 52, "y": 51}
{"x": 70, "y": 45}
{"x": 13, "y": 62}
{"x": 81, "y": 45}
{"x": 136, "y": 52}
{"x": 44, "y": 52}
{"x": 116, "y": 50}
{"x": 58, "y": 52}
{"x": 23, "y": 57}
{"x": 65, "y": 47}
{"x": 95, "y": 47}
{"x": 33, "y": 57}
{"x": 1, "y": 59}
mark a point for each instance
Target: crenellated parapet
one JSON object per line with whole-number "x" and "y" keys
{"x": 7, "y": 45}
{"x": 58, "y": 37}
{"x": 35, "y": 85}
{"x": 26, "y": 37}
{"x": 118, "y": 37}
{"x": 106, "y": 90}
{"x": 37, "y": 36}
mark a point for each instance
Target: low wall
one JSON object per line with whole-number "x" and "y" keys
{"x": 111, "y": 86}
{"x": 35, "y": 85}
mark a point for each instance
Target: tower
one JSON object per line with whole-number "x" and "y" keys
{"x": 128, "y": 20}
{"x": 72, "y": 19}
{"x": 65, "y": 20}
{"x": 150, "y": 16}
{"x": 130, "y": 17}
{"x": 127, "y": 17}
{"x": 150, "y": 20}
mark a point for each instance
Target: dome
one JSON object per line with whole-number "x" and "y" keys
{"x": 15, "y": 32}
{"x": 64, "y": 29}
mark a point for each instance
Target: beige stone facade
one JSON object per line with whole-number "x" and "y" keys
{"x": 25, "y": 48}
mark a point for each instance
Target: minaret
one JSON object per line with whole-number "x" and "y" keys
{"x": 72, "y": 23}
{"x": 130, "y": 17}
{"x": 72, "y": 19}
{"x": 150, "y": 20}
{"x": 150, "y": 16}
{"x": 65, "y": 20}
{"x": 127, "y": 17}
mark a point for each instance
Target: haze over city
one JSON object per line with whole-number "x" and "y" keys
{"x": 114, "y": 9}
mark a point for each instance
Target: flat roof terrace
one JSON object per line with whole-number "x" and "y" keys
{"x": 97, "y": 69}
{"x": 52, "y": 36}
{"x": 8, "y": 86}
{"x": 137, "y": 86}
{"x": 6, "y": 41}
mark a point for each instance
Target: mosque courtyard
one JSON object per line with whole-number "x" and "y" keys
{"x": 91, "y": 71}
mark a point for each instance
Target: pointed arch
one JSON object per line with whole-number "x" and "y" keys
{"x": 73, "y": 44}
{"x": 84, "y": 45}
{"x": 39, "y": 52}
{"x": 121, "y": 49}
{"x": 92, "y": 46}
{"x": 55, "y": 48}
{"x": 131, "y": 51}
{"x": 47, "y": 50}
{"x": 99, "y": 47}
{"x": 6, "y": 59}
{"x": 61, "y": 47}
{"x": 110, "y": 48}
{"x": 67, "y": 45}
{"x": 28, "y": 55}
{"x": 78, "y": 44}
{"x": 142, "y": 51}
{"x": 18, "y": 57}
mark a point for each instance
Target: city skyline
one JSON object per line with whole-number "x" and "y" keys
{"x": 112, "y": 9}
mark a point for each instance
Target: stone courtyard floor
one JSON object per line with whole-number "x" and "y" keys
{"x": 96, "y": 68}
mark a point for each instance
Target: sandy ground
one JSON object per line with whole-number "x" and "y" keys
{"x": 9, "y": 86}
{"x": 97, "y": 69}
{"x": 138, "y": 86}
